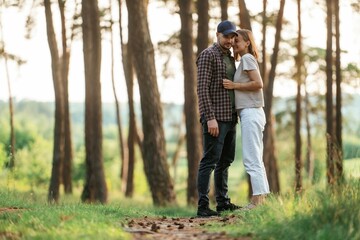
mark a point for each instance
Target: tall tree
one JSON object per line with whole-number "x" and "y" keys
{"x": 263, "y": 65}
{"x": 193, "y": 136}
{"x": 128, "y": 166}
{"x": 58, "y": 149}
{"x": 299, "y": 75}
{"x": 65, "y": 60}
{"x": 122, "y": 148}
{"x": 309, "y": 164}
{"x": 95, "y": 189}
{"x": 155, "y": 164}
{"x": 202, "y": 40}
{"x": 269, "y": 141}
{"x": 245, "y": 23}
{"x": 329, "y": 95}
{"x": 224, "y": 9}
{"x": 338, "y": 80}
{"x": 11, "y": 163}
{"x": 244, "y": 15}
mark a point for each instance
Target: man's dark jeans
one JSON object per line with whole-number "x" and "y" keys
{"x": 219, "y": 153}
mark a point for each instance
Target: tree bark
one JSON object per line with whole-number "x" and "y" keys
{"x": 329, "y": 95}
{"x": 193, "y": 135}
{"x": 128, "y": 167}
{"x": 95, "y": 189}
{"x": 244, "y": 16}
{"x": 58, "y": 149}
{"x": 309, "y": 153}
{"x": 298, "y": 143}
{"x": 68, "y": 155}
{"x": 224, "y": 9}
{"x": 269, "y": 143}
{"x": 122, "y": 148}
{"x": 11, "y": 163}
{"x": 155, "y": 164}
{"x": 245, "y": 23}
{"x": 202, "y": 40}
{"x": 338, "y": 80}
{"x": 263, "y": 65}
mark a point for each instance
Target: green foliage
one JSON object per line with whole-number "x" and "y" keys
{"x": 34, "y": 164}
{"x": 351, "y": 148}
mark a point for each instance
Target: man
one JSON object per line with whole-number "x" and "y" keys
{"x": 218, "y": 119}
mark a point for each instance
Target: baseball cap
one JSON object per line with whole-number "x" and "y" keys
{"x": 226, "y": 27}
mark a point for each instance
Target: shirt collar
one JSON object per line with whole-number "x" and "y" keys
{"x": 221, "y": 50}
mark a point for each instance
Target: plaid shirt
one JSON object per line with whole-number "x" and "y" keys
{"x": 214, "y": 99}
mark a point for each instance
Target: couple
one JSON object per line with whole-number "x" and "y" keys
{"x": 225, "y": 93}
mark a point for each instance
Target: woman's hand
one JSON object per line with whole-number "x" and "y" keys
{"x": 228, "y": 84}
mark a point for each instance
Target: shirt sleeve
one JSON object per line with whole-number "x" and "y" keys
{"x": 249, "y": 62}
{"x": 204, "y": 76}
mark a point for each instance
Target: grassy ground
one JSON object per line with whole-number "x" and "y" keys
{"x": 327, "y": 214}
{"x": 316, "y": 213}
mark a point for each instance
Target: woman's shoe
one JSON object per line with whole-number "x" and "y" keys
{"x": 249, "y": 207}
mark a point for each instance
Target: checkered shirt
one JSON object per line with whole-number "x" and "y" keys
{"x": 214, "y": 100}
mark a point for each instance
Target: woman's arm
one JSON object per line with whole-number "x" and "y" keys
{"x": 254, "y": 84}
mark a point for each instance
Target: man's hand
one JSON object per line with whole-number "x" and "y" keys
{"x": 213, "y": 128}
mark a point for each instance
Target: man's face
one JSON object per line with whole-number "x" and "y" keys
{"x": 225, "y": 41}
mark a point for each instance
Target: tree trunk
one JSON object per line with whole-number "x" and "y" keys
{"x": 58, "y": 149}
{"x": 155, "y": 164}
{"x": 263, "y": 65}
{"x": 202, "y": 40}
{"x": 122, "y": 148}
{"x": 129, "y": 76}
{"x": 309, "y": 155}
{"x": 298, "y": 143}
{"x": 329, "y": 96}
{"x": 224, "y": 8}
{"x": 193, "y": 135}
{"x": 338, "y": 80}
{"x": 269, "y": 143}
{"x": 244, "y": 16}
{"x": 129, "y": 165}
{"x": 11, "y": 163}
{"x": 245, "y": 24}
{"x": 95, "y": 189}
{"x": 68, "y": 155}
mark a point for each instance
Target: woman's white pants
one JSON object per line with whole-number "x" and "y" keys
{"x": 252, "y": 126}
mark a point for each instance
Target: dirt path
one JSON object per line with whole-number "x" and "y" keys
{"x": 178, "y": 228}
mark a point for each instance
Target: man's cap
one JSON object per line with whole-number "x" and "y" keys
{"x": 226, "y": 27}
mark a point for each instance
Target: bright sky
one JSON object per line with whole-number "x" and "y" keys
{"x": 34, "y": 80}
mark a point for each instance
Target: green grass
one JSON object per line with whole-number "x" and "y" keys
{"x": 330, "y": 213}
{"x": 327, "y": 214}
{"x": 318, "y": 213}
{"x": 352, "y": 168}
{"x": 35, "y": 219}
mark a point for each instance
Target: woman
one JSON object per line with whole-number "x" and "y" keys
{"x": 249, "y": 103}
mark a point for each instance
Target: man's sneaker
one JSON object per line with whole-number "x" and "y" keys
{"x": 227, "y": 207}
{"x": 206, "y": 212}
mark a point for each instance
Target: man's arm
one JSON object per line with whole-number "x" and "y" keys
{"x": 204, "y": 76}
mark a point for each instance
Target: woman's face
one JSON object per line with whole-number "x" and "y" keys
{"x": 240, "y": 45}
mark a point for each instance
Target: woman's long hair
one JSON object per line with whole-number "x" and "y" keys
{"x": 247, "y": 35}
